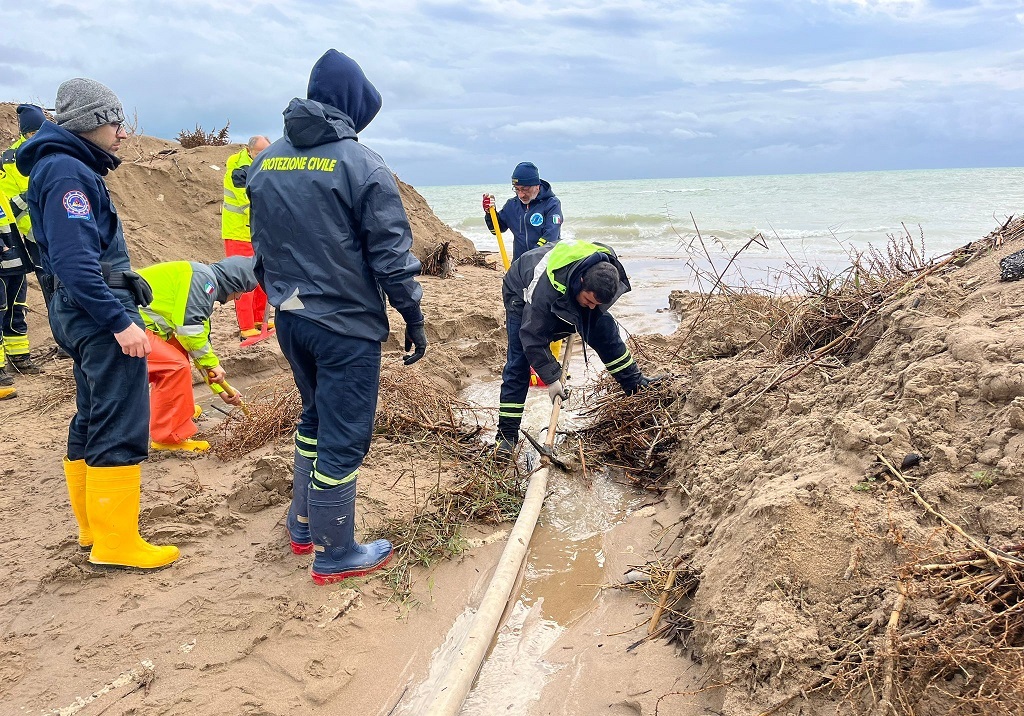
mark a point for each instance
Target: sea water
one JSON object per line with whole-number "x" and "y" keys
{"x": 682, "y": 233}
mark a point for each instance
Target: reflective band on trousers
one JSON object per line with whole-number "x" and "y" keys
{"x": 305, "y": 446}
{"x": 511, "y": 410}
{"x": 333, "y": 481}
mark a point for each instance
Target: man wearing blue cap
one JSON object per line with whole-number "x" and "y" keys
{"x": 534, "y": 216}
{"x": 332, "y": 239}
{"x": 14, "y": 185}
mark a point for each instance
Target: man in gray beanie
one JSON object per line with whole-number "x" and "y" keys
{"x": 94, "y": 316}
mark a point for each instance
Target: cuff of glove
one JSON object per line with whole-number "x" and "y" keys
{"x": 550, "y": 377}
{"x": 413, "y": 317}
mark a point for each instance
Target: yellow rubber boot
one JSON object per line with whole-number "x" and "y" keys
{"x": 74, "y": 476}
{"x": 197, "y": 411}
{"x": 8, "y": 391}
{"x": 183, "y": 446}
{"x": 112, "y": 499}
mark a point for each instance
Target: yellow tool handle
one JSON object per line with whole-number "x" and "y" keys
{"x": 501, "y": 242}
{"x": 217, "y": 388}
{"x": 225, "y": 387}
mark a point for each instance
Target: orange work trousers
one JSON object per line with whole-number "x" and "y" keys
{"x": 171, "y": 402}
{"x": 249, "y": 307}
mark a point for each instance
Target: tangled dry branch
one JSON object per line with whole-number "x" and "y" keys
{"x": 408, "y": 406}
{"x": 636, "y": 433}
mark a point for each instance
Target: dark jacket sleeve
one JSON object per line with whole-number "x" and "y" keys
{"x": 238, "y": 177}
{"x": 536, "y": 333}
{"x": 387, "y": 242}
{"x": 601, "y": 333}
{"x": 552, "y": 230}
{"x": 74, "y": 249}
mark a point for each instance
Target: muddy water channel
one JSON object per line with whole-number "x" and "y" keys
{"x": 561, "y": 582}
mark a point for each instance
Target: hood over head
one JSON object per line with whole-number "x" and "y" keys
{"x": 30, "y": 118}
{"x": 337, "y": 80}
{"x": 234, "y": 275}
{"x": 308, "y": 123}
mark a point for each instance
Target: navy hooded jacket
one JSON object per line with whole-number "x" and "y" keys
{"x": 532, "y": 225}
{"x": 74, "y": 220}
{"x": 329, "y": 231}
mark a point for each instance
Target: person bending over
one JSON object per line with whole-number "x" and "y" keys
{"x": 178, "y": 329}
{"x": 549, "y": 294}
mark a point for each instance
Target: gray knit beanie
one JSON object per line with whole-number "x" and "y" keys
{"x": 83, "y": 105}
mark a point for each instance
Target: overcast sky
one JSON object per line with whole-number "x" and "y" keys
{"x": 586, "y": 89}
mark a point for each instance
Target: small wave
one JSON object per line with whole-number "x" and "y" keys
{"x": 602, "y": 220}
{"x": 701, "y": 190}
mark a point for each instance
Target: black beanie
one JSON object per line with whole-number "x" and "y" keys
{"x": 30, "y": 118}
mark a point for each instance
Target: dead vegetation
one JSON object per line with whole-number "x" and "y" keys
{"x": 483, "y": 491}
{"x": 409, "y": 408}
{"x": 951, "y": 639}
{"x": 635, "y": 434}
{"x": 199, "y": 137}
{"x": 944, "y": 632}
{"x": 440, "y": 261}
{"x": 271, "y": 410}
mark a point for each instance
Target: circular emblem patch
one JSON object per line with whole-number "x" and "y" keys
{"x": 537, "y": 219}
{"x": 77, "y": 205}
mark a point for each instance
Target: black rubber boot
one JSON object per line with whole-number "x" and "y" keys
{"x": 5, "y": 377}
{"x": 24, "y": 364}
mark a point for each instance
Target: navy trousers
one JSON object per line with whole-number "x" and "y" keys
{"x": 515, "y": 381}
{"x": 111, "y": 427}
{"x": 338, "y": 378}
{"x": 15, "y": 293}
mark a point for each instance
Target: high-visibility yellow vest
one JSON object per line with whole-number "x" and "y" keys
{"x": 172, "y": 283}
{"x": 14, "y": 185}
{"x": 234, "y": 216}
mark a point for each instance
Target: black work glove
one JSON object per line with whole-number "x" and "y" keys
{"x": 414, "y": 335}
{"x": 639, "y": 385}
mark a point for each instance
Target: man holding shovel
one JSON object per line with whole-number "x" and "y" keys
{"x": 534, "y": 216}
{"x": 178, "y": 329}
{"x": 549, "y": 294}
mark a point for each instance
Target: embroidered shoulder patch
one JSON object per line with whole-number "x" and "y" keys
{"x": 556, "y": 219}
{"x": 209, "y": 288}
{"x": 77, "y": 205}
{"x": 537, "y": 219}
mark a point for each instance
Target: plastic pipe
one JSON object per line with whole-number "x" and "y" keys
{"x": 458, "y": 681}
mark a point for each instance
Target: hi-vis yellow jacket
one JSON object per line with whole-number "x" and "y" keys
{"x": 234, "y": 216}
{"x": 14, "y": 260}
{"x": 14, "y": 184}
{"x": 184, "y": 293}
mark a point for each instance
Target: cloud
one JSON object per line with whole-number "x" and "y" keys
{"x": 568, "y": 126}
{"x": 411, "y": 149}
{"x": 664, "y": 86}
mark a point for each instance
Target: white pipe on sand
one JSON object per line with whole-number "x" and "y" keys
{"x": 458, "y": 681}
